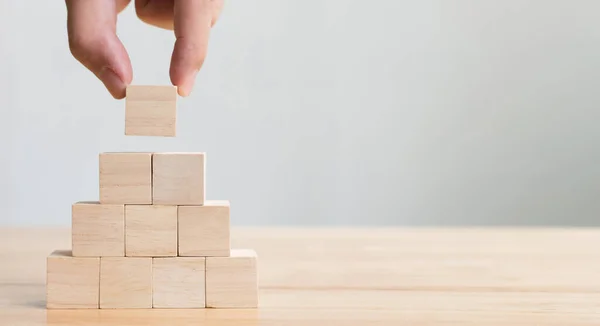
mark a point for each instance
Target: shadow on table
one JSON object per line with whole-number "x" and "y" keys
{"x": 152, "y": 317}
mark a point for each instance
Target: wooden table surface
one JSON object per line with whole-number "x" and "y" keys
{"x": 357, "y": 277}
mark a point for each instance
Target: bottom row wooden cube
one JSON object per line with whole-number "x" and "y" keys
{"x": 72, "y": 282}
{"x": 125, "y": 282}
{"x": 231, "y": 282}
{"x": 178, "y": 282}
{"x": 145, "y": 282}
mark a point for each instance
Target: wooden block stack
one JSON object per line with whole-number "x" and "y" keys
{"x": 152, "y": 241}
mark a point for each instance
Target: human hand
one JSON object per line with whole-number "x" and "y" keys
{"x": 93, "y": 41}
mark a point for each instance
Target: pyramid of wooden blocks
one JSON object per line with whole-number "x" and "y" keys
{"x": 151, "y": 241}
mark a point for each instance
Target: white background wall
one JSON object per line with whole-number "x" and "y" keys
{"x": 329, "y": 112}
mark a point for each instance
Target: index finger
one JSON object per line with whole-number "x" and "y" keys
{"x": 91, "y": 27}
{"x": 192, "y": 24}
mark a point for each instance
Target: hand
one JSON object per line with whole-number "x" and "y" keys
{"x": 93, "y": 40}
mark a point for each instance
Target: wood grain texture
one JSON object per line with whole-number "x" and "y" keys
{"x": 72, "y": 282}
{"x": 159, "y": 93}
{"x": 204, "y": 230}
{"x": 97, "y": 229}
{"x": 151, "y": 111}
{"x": 232, "y": 282}
{"x": 178, "y": 178}
{"x": 359, "y": 276}
{"x": 125, "y": 178}
{"x": 125, "y": 282}
{"x": 150, "y": 230}
{"x": 178, "y": 282}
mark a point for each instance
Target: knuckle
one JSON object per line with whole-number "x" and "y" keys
{"x": 87, "y": 47}
{"x": 78, "y": 45}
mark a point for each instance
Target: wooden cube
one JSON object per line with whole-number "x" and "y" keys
{"x": 151, "y": 110}
{"x": 204, "y": 230}
{"x": 150, "y": 230}
{"x": 178, "y": 282}
{"x": 97, "y": 229}
{"x": 178, "y": 178}
{"x": 125, "y": 178}
{"x": 232, "y": 282}
{"x": 72, "y": 282}
{"x": 125, "y": 282}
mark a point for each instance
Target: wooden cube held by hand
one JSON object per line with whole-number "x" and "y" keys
{"x": 150, "y": 110}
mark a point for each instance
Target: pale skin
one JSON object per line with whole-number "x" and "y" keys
{"x": 93, "y": 40}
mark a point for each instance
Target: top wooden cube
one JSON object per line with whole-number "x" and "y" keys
{"x": 125, "y": 178}
{"x": 150, "y": 111}
{"x": 178, "y": 178}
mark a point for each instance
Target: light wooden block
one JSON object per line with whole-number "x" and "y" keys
{"x": 72, "y": 282}
{"x": 151, "y": 110}
{"x": 97, "y": 229}
{"x": 125, "y": 282}
{"x": 150, "y": 230}
{"x": 178, "y": 178}
{"x": 204, "y": 230}
{"x": 232, "y": 282}
{"x": 125, "y": 178}
{"x": 178, "y": 282}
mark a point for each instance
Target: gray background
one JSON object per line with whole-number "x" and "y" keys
{"x": 329, "y": 112}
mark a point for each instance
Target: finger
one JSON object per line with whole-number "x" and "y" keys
{"x": 121, "y": 5}
{"x": 158, "y": 13}
{"x": 93, "y": 41}
{"x": 193, "y": 20}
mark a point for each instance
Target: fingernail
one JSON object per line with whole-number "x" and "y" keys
{"x": 186, "y": 88}
{"x": 112, "y": 82}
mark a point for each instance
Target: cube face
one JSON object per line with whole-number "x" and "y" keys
{"x": 150, "y": 230}
{"x": 151, "y": 111}
{"x": 125, "y": 282}
{"x": 178, "y": 178}
{"x": 232, "y": 282}
{"x": 72, "y": 282}
{"x": 97, "y": 229}
{"x": 125, "y": 178}
{"x": 178, "y": 282}
{"x": 204, "y": 230}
